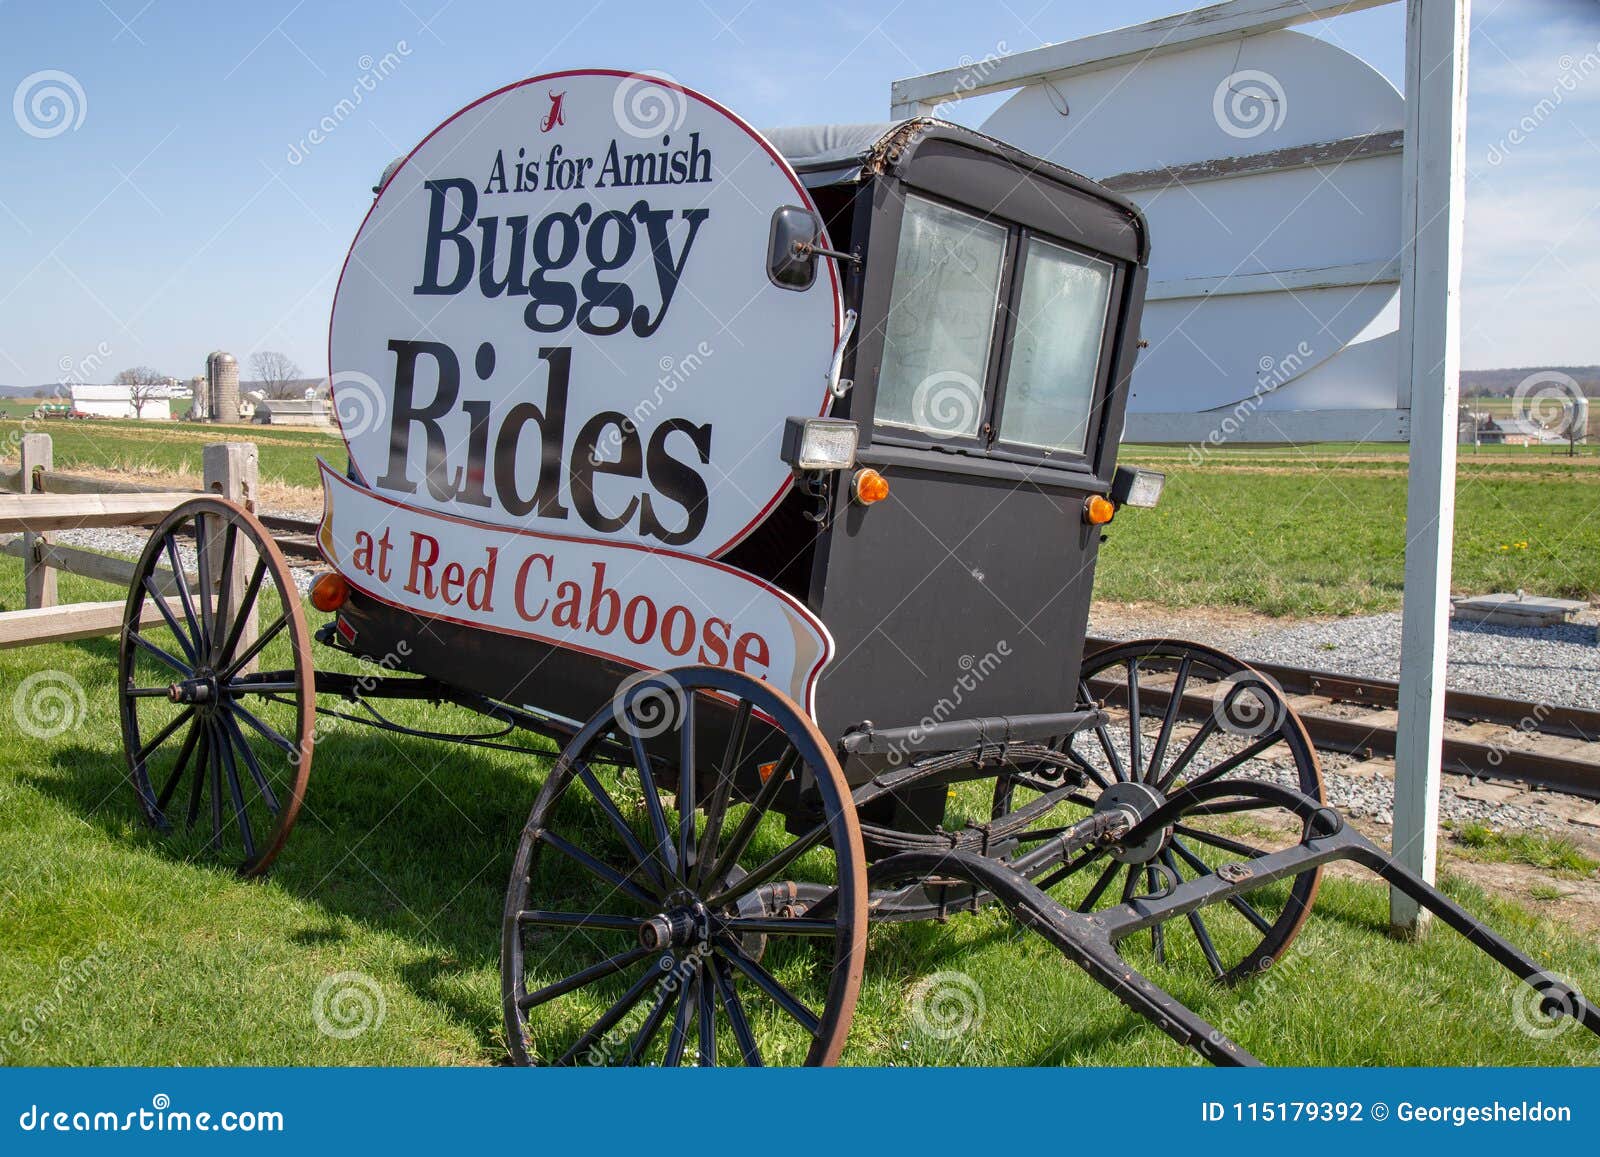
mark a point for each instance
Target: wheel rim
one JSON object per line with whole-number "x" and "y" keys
{"x": 1138, "y": 769}
{"x": 216, "y": 693}
{"x": 631, "y": 937}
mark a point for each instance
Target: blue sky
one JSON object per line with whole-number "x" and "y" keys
{"x": 187, "y": 211}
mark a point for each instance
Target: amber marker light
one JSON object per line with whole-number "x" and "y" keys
{"x": 1098, "y": 510}
{"x": 329, "y": 592}
{"x": 869, "y": 486}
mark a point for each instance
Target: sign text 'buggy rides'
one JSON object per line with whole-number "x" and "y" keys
{"x": 765, "y": 476}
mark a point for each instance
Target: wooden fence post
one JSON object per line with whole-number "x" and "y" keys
{"x": 39, "y": 580}
{"x": 232, "y": 470}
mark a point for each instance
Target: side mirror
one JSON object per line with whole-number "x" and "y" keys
{"x": 791, "y": 248}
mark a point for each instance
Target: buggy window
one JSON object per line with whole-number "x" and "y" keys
{"x": 941, "y": 321}
{"x": 1055, "y": 351}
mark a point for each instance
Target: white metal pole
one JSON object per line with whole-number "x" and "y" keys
{"x": 1430, "y": 339}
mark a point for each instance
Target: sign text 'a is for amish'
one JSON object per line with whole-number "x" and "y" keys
{"x": 557, "y": 317}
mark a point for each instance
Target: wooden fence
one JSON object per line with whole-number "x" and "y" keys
{"x": 38, "y": 501}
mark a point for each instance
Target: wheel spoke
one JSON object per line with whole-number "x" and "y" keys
{"x": 164, "y": 734}
{"x": 241, "y": 617}
{"x": 652, "y": 804}
{"x": 1158, "y": 937}
{"x": 216, "y": 790}
{"x": 229, "y": 539}
{"x": 266, "y": 731}
{"x": 1196, "y": 742}
{"x": 1131, "y": 883}
{"x": 1135, "y": 736}
{"x": 598, "y": 920}
{"x": 707, "y": 1030}
{"x": 771, "y": 868}
{"x": 164, "y": 655}
{"x": 1070, "y": 867}
{"x": 610, "y": 966}
{"x": 651, "y": 1026}
{"x": 751, "y": 820}
{"x": 178, "y": 767}
{"x": 170, "y": 543}
{"x": 1210, "y": 950}
{"x": 608, "y": 1019}
{"x": 768, "y": 984}
{"x": 686, "y": 762}
{"x": 1100, "y": 886}
{"x": 717, "y": 807}
{"x": 1222, "y": 843}
{"x": 270, "y": 797}
{"x": 200, "y": 770}
{"x": 679, "y": 1037}
{"x": 1238, "y": 903}
{"x": 1169, "y": 718}
{"x": 203, "y": 572}
{"x": 596, "y": 868}
{"x": 1104, "y": 737}
{"x": 172, "y": 623}
{"x": 777, "y": 926}
{"x": 1235, "y": 760}
{"x": 255, "y": 648}
{"x": 737, "y": 1020}
{"x": 609, "y": 806}
{"x": 236, "y": 790}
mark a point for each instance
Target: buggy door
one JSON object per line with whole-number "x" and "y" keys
{"x": 990, "y": 378}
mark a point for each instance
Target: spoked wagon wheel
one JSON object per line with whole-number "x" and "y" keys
{"x": 660, "y": 909}
{"x": 1238, "y": 726}
{"x": 215, "y": 685}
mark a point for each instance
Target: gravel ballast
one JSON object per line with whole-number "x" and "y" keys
{"x": 1558, "y": 665}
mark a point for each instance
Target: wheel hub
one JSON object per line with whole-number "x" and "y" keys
{"x": 204, "y": 688}
{"x": 676, "y": 928}
{"x": 1137, "y": 801}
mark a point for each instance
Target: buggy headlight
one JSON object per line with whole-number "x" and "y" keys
{"x": 819, "y": 443}
{"x": 1131, "y": 486}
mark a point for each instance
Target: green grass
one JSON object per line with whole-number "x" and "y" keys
{"x": 1552, "y": 853}
{"x": 1322, "y": 531}
{"x": 1318, "y": 531}
{"x": 118, "y": 946}
{"x": 288, "y": 457}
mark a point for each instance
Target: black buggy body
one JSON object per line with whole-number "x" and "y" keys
{"x": 983, "y": 560}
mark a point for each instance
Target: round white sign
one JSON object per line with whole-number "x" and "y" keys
{"x": 557, "y": 316}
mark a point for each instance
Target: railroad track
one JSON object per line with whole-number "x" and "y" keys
{"x": 296, "y": 537}
{"x": 1485, "y": 735}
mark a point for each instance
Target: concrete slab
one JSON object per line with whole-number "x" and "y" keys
{"x": 1516, "y": 610}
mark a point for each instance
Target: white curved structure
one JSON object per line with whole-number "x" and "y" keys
{"x": 1269, "y": 167}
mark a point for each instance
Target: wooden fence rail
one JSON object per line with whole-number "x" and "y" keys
{"x": 44, "y": 501}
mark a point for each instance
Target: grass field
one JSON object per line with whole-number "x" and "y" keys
{"x": 118, "y": 946}
{"x": 1282, "y": 531}
{"x": 288, "y": 456}
{"x": 1322, "y": 530}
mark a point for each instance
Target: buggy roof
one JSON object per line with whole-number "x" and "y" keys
{"x": 843, "y": 153}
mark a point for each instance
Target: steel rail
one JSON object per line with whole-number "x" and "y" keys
{"x": 1552, "y": 759}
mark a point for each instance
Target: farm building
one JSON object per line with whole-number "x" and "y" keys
{"x": 117, "y": 402}
{"x": 1503, "y": 431}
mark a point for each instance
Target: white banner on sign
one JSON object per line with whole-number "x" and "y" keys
{"x": 651, "y": 609}
{"x": 557, "y": 315}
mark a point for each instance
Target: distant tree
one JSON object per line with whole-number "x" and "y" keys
{"x": 143, "y": 385}
{"x": 277, "y": 374}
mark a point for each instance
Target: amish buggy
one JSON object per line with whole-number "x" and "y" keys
{"x": 763, "y": 476}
